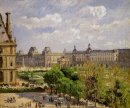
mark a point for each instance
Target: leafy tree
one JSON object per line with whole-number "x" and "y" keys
{"x": 125, "y": 100}
{"x": 74, "y": 76}
{"x": 77, "y": 89}
{"x": 64, "y": 85}
{"x": 109, "y": 84}
{"x": 67, "y": 72}
{"x": 92, "y": 75}
{"x": 88, "y": 76}
{"x": 73, "y": 88}
{"x": 119, "y": 95}
{"x": 52, "y": 76}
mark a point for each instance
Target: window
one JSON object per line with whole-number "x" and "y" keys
{"x": 11, "y": 61}
{"x": 1, "y": 76}
{"x": 11, "y": 76}
{"x": 1, "y": 50}
{"x": 1, "y": 62}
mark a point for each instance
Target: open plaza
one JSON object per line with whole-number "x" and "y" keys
{"x": 35, "y": 100}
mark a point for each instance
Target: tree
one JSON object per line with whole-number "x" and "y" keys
{"x": 68, "y": 72}
{"x": 119, "y": 95}
{"x": 107, "y": 85}
{"x": 64, "y": 85}
{"x": 92, "y": 76}
{"x": 73, "y": 88}
{"x": 52, "y": 76}
{"x": 77, "y": 90}
{"x": 74, "y": 76}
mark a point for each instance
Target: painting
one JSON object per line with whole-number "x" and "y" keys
{"x": 64, "y": 54}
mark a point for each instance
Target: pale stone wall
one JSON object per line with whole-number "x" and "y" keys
{"x": 8, "y": 67}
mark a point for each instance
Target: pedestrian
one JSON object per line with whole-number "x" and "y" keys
{"x": 34, "y": 99}
{"x": 68, "y": 104}
{"x": 36, "y": 106}
{"x": 43, "y": 97}
{"x": 56, "y": 104}
{"x": 59, "y": 102}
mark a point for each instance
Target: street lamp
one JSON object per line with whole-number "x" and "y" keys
{"x": 95, "y": 93}
{"x": 70, "y": 91}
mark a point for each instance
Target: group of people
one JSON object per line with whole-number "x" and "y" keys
{"x": 39, "y": 105}
{"x": 11, "y": 100}
{"x": 58, "y": 103}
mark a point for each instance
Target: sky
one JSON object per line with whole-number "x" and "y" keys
{"x": 59, "y": 24}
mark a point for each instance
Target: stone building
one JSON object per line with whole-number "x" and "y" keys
{"x": 64, "y": 62}
{"x": 48, "y": 58}
{"x": 123, "y": 57}
{"x": 106, "y": 57}
{"x": 120, "y": 57}
{"x": 33, "y": 51}
{"x": 32, "y": 59}
{"x": 7, "y": 52}
{"x": 80, "y": 57}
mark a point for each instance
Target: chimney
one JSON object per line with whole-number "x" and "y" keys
{"x": 8, "y": 24}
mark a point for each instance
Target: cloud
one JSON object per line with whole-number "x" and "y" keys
{"x": 117, "y": 44}
{"x": 62, "y": 23}
{"x": 95, "y": 11}
{"x": 101, "y": 37}
{"x": 66, "y": 36}
{"x": 66, "y": 2}
{"x": 99, "y": 11}
{"x": 116, "y": 24}
{"x": 50, "y": 20}
{"x": 109, "y": 44}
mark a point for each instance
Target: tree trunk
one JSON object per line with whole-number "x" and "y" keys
{"x": 78, "y": 101}
{"x": 86, "y": 105}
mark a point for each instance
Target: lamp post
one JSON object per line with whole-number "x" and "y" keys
{"x": 95, "y": 96}
{"x": 70, "y": 91}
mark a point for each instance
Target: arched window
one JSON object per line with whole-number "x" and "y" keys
{"x": 1, "y": 76}
{"x": 1, "y": 62}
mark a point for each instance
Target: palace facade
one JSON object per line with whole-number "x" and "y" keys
{"x": 7, "y": 53}
{"x": 48, "y": 58}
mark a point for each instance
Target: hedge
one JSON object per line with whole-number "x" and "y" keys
{"x": 20, "y": 90}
